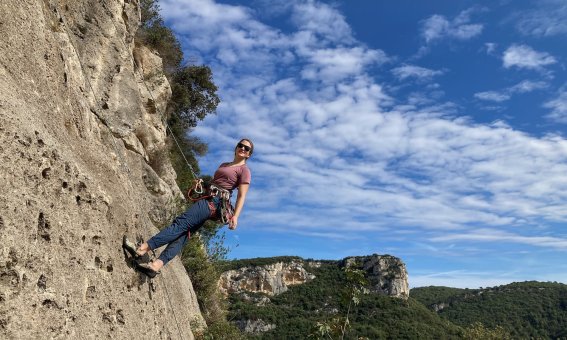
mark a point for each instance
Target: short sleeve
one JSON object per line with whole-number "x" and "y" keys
{"x": 245, "y": 176}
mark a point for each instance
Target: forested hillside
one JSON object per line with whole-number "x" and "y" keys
{"x": 320, "y": 308}
{"x": 526, "y": 310}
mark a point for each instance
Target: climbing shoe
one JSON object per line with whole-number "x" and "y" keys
{"x": 129, "y": 246}
{"x": 145, "y": 268}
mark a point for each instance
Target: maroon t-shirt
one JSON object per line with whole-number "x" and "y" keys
{"x": 230, "y": 177}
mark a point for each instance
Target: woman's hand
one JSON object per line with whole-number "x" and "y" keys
{"x": 233, "y": 223}
{"x": 242, "y": 190}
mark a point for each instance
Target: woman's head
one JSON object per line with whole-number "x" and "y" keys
{"x": 245, "y": 146}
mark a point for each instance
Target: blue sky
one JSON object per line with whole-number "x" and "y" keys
{"x": 433, "y": 131}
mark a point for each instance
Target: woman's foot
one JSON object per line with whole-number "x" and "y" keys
{"x": 132, "y": 249}
{"x": 142, "y": 249}
{"x": 150, "y": 269}
{"x": 156, "y": 265}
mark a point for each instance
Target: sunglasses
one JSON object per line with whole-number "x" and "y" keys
{"x": 242, "y": 146}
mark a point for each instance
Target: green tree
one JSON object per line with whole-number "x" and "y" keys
{"x": 354, "y": 289}
{"x": 205, "y": 276}
{"x": 477, "y": 331}
{"x": 195, "y": 94}
{"x": 153, "y": 33}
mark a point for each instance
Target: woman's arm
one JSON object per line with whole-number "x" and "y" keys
{"x": 242, "y": 191}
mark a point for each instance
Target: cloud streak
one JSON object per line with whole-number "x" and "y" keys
{"x": 411, "y": 71}
{"x": 547, "y": 20}
{"x": 558, "y": 107}
{"x": 438, "y": 27}
{"x": 503, "y": 95}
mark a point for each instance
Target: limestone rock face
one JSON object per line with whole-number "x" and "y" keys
{"x": 79, "y": 123}
{"x": 270, "y": 279}
{"x": 387, "y": 274}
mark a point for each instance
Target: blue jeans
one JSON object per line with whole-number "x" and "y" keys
{"x": 179, "y": 231}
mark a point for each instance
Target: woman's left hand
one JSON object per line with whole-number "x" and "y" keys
{"x": 233, "y": 223}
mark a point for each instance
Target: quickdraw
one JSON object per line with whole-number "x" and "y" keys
{"x": 196, "y": 191}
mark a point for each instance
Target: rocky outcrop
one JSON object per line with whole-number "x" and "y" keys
{"x": 437, "y": 307}
{"x": 254, "y": 326}
{"x": 79, "y": 123}
{"x": 386, "y": 274}
{"x": 269, "y": 279}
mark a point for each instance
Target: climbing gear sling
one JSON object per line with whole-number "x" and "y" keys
{"x": 197, "y": 193}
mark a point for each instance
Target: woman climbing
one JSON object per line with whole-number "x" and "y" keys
{"x": 229, "y": 176}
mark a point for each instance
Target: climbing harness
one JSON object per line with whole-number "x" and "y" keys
{"x": 197, "y": 193}
{"x": 226, "y": 208}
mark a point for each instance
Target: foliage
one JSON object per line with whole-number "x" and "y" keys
{"x": 221, "y": 331}
{"x": 352, "y": 292}
{"x": 204, "y": 276}
{"x": 478, "y": 331}
{"x": 524, "y": 310}
{"x": 187, "y": 152}
{"x": 153, "y": 33}
{"x": 318, "y": 307}
{"x": 149, "y": 13}
{"x": 195, "y": 94}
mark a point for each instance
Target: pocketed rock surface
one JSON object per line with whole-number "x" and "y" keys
{"x": 79, "y": 123}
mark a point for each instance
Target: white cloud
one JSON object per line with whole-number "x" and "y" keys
{"x": 558, "y": 108}
{"x": 492, "y": 235}
{"x": 503, "y": 95}
{"x": 332, "y": 64}
{"x": 323, "y": 20}
{"x": 523, "y": 56}
{"x": 438, "y": 27}
{"x": 492, "y": 96}
{"x": 490, "y": 48}
{"x": 411, "y": 71}
{"x": 548, "y": 19}
{"x": 435, "y": 27}
{"x": 526, "y": 86}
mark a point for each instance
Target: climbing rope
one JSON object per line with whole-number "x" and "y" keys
{"x": 105, "y": 122}
{"x": 178, "y": 146}
{"x": 197, "y": 182}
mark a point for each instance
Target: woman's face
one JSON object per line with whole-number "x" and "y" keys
{"x": 243, "y": 149}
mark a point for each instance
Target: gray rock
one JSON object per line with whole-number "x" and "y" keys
{"x": 270, "y": 279}
{"x": 387, "y": 274}
{"x": 254, "y": 326}
{"x": 77, "y": 128}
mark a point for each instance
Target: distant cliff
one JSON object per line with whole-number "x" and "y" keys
{"x": 386, "y": 274}
{"x": 263, "y": 291}
{"x": 270, "y": 279}
{"x": 80, "y": 121}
